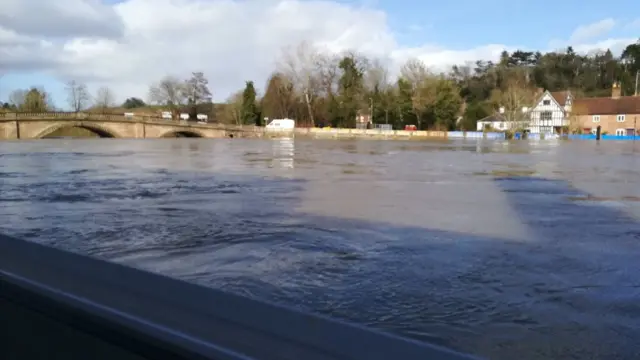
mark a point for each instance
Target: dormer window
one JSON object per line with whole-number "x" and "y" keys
{"x": 546, "y": 102}
{"x": 595, "y": 118}
{"x": 620, "y": 118}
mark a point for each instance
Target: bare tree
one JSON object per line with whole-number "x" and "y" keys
{"x": 279, "y": 98}
{"x": 104, "y": 99}
{"x": 414, "y": 71}
{"x": 462, "y": 73}
{"x": 17, "y": 97}
{"x": 233, "y": 109}
{"x": 514, "y": 95}
{"x": 423, "y": 89}
{"x": 301, "y": 66}
{"x": 77, "y": 95}
{"x": 327, "y": 73}
{"x": 197, "y": 90}
{"x": 376, "y": 76}
{"x": 36, "y": 99}
{"x": 168, "y": 92}
{"x": 377, "y": 80}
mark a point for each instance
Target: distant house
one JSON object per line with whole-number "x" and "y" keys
{"x": 619, "y": 115}
{"x": 363, "y": 120}
{"x": 551, "y": 113}
{"x": 495, "y": 121}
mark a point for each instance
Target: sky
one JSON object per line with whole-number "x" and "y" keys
{"x": 128, "y": 45}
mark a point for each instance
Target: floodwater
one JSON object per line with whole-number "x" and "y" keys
{"x": 507, "y": 250}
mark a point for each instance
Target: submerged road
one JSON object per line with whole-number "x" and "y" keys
{"x": 504, "y": 250}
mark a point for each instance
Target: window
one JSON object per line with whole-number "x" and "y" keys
{"x": 621, "y": 132}
{"x": 620, "y": 118}
{"x": 545, "y": 118}
{"x": 595, "y": 118}
{"x": 546, "y": 102}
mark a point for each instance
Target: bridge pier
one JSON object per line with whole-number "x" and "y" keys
{"x": 9, "y": 130}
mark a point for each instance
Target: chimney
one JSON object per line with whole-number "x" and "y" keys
{"x": 616, "y": 91}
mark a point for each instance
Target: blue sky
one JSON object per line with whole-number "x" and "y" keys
{"x": 464, "y": 24}
{"x": 455, "y": 25}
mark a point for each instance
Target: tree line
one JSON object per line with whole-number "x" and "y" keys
{"x": 37, "y": 99}
{"x": 323, "y": 89}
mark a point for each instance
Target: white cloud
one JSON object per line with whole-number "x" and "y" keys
{"x": 132, "y": 44}
{"x": 616, "y": 45}
{"x": 588, "y": 39}
{"x": 60, "y": 18}
{"x": 592, "y": 31}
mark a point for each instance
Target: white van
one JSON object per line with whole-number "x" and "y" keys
{"x": 281, "y": 125}
{"x": 202, "y": 118}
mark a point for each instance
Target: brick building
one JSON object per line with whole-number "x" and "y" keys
{"x": 616, "y": 115}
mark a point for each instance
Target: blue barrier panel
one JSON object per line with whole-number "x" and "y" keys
{"x": 67, "y": 306}
{"x": 456, "y": 134}
{"x": 475, "y": 135}
{"x": 495, "y": 135}
{"x": 618, "y": 137}
{"x": 602, "y": 137}
{"x": 582, "y": 137}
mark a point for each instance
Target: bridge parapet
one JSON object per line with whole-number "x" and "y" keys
{"x": 76, "y": 116}
{"x": 84, "y": 116}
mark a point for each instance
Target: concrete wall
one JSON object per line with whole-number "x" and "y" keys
{"x": 367, "y": 133}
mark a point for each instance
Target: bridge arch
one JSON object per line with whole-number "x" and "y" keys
{"x": 190, "y": 133}
{"x": 97, "y": 129}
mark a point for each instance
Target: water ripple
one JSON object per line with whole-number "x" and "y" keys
{"x": 520, "y": 262}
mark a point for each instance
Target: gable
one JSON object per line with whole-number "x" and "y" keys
{"x": 496, "y": 117}
{"x": 561, "y": 97}
{"x": 548, "y": 101}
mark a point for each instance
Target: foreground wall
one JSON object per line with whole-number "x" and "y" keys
{"x": 66, "y": 306}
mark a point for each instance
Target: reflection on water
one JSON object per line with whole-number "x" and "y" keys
{"x": 511, "y": 250}
{"x": 283, "y": 153}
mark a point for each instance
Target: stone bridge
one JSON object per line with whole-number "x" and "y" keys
{"x": 39, "y": 125}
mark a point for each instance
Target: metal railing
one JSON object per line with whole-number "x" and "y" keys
{"x": 61, "y": 304}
